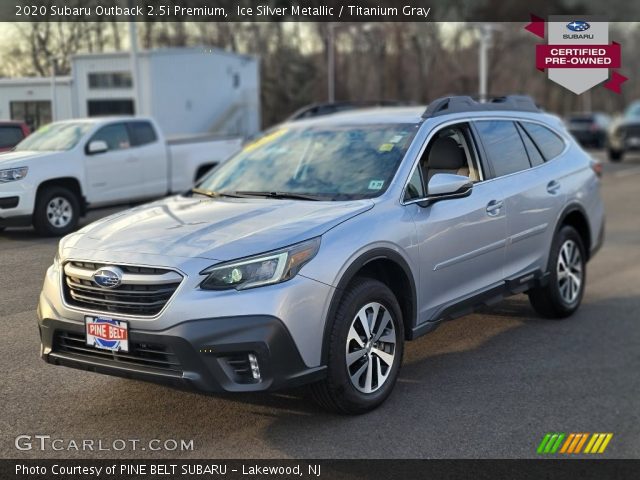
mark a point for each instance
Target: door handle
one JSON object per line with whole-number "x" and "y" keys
{"x": 553, "y": 186}
{"x": 493, "y": 207}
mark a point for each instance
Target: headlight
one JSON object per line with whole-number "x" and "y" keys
{"x": 12, "y": 174}
{"x": 266, "y": 269}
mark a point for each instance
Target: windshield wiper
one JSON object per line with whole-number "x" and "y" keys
{"x": 292, "y": 195}
{"x": 212, "y": 194}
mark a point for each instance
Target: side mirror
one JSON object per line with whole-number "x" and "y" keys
{"x": 97, "y": 146}
{"x": 445, "y": 186}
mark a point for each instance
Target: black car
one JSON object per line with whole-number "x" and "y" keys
{"x": 590, "y": 129}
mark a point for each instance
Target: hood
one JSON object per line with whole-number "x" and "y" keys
{"x": 217, "y": 229}
{"x": 20, "y": 159}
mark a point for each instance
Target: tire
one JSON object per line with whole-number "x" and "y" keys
{"x": 338, "y": 392}
{"x": 57, "y": 212}
{"x": 615, "y": 155}
{"x": 561, "y": 297}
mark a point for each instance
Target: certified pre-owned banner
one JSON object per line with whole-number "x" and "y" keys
{"x": 578, "y": 54}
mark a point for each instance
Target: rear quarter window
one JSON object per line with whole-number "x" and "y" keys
{"x": 503, "y": 146}
{"x": 549, "y": 143}
{"x": 141, "y": 133}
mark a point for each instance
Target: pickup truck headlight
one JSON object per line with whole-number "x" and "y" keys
{"x": 13, "y": 174}
{"x": 265, "y": 269}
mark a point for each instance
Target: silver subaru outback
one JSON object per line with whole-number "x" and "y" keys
{"x": 324, "y": 245}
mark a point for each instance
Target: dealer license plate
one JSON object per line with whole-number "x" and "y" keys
{"x": 107, "y": 333}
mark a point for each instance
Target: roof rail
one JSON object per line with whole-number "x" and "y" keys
{"x": 458, "y": 104}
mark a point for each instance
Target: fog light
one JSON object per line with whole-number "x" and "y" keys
{"x": 255, "y": 369}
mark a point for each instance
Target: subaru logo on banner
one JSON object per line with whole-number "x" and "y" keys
{"x": 578, "y": 26}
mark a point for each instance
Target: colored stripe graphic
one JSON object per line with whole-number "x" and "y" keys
{"x": 573, "y": 443}
{"x": 551, "y": 442}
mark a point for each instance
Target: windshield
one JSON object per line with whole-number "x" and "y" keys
{"x": 55, "y": 137}
{"x": 328, "y": 162}
{"x": 633, "y": 111}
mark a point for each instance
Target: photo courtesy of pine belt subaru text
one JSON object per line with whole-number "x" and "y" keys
{"x": 314, "y": 253}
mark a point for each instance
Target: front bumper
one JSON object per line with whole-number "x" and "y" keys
{"x": 209, "y": 354}
{"x": 16, "y": 204}
{"x": 199, "y": 335}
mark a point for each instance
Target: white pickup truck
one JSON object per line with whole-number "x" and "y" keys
{"x": 53, "y": 176}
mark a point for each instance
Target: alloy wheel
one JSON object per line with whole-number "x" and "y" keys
{"x": 569, "y": 271}
{"x": 371, "y": 347}
{"x": 59, "y": 212}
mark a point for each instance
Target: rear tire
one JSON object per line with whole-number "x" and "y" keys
{"x": 364, "y": 351}
{"x": 57, "y": 212}
{"x": 563, "y": 293}
{"x": 615, "y": 155}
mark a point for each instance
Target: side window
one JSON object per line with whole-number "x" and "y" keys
{"x": 535, "y": 157}
{"x": 141, "y": 133}
{"x": 115, "y": 136}
{"x": 503, "y": 146}
{"x": 415, "y": 188}
{"x": 550, "y": 144}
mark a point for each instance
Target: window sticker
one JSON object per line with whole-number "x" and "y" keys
{"x": 376, "y": 184}
{"x": 385, "y": 147}
{"x": 396, "y": 139}
{"x": 264, "y": 140}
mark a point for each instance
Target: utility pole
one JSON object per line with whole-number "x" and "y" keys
{"x": 485, "y": 33}
{"x": 331, "y": 64}
{"x": 135, "y": 72}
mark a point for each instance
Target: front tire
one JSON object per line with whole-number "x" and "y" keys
{"x": 567, "y": 277}
{"x": 615, "y": 155}
{"x": 57, "y": 212}
{"x": 365, "y": 349}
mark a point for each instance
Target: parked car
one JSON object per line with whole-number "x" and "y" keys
{"x": 12, "y": 133}
{"x": 590, "y": 129}
{"x": 313, "y": 254}
{"x": 65, "y": 168}
{"x": 624, "y": 134}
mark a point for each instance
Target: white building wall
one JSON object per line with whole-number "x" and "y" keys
{"x": 187, "y": 90}
{"x": 35, "y": 89}
{"x": 199, "y": 90}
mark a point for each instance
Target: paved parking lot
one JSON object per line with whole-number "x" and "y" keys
{"x": 486, "y": 385}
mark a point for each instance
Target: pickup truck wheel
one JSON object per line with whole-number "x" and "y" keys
{"x": 365, "y": 350}
{"x": 615, "y": 155}
{"x": 57, "y": 212}
{"x": 567, "y": 275}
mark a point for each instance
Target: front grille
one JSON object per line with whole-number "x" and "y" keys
{"x": 144, "y": 291}
{"x": 148, "y": 355}
{"x": 628, "y": 131}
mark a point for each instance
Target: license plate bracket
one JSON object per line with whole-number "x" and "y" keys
{"x": 107, "y": 333}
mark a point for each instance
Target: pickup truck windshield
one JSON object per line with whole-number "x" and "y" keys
{"x": 329, "y": 162}
{"x": 55, "y": 137}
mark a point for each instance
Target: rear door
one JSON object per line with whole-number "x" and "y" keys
{"x": 532, "y": 196}
{"x": 114, "y": 175}
{"x": 151, "y": 155}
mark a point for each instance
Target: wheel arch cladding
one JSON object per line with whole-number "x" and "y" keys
{"x": 391, "y": 269}
{"x": 576, "y": 217}
{"x": 70, "y": 183}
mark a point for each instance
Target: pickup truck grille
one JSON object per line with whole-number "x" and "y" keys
{"x": 144, "y": 291}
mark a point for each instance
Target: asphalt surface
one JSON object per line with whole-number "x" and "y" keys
{"x": 487, "y": 385}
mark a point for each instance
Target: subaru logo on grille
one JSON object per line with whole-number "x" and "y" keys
{"x": 578, "y": 26}
{"x": 108, "y": 277}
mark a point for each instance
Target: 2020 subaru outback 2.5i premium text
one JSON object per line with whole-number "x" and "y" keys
{"x": 313, "y": 254}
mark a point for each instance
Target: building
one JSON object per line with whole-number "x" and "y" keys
{"x": 187, "y": 90}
